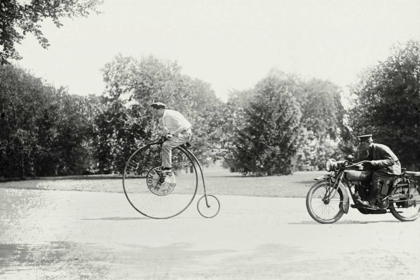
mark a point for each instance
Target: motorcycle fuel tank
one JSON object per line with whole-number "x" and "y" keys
{"x": 354, "y": 175}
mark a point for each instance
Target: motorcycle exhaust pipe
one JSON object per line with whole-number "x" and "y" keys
{"x": 394, "y": 197}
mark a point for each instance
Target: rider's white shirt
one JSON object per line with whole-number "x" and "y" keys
{"x": 174, "y": 121}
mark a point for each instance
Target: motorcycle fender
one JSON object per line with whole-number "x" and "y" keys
{"x": 346, "y": 199}
{"x": 345, "y": 206}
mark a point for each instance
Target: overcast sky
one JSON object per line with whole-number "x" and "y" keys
{"x": 229, "y": 44}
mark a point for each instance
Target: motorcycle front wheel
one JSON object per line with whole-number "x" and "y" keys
{"x": 324, "y": 204}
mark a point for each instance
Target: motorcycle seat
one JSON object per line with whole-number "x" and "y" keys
{"x": 412, "y": 174}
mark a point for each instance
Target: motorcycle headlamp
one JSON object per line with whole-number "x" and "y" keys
{"x": 331, "y": 165}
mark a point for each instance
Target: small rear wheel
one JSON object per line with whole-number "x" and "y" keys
{"x": 208, "y": 208}
{"x": 324, "y": 204}
{"x": 407, "y": 208}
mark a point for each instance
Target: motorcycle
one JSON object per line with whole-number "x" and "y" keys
{"x": 329, "y": 199}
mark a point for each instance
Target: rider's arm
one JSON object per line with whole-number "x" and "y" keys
{"x": 383, "y": 162}
{"x": 177, "y": 120}
{"x": 162, "y": 127}
{"x": 387, "y": 158}
{"x": 179, "y": 129}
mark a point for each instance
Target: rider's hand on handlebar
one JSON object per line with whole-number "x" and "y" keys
{"x": 367, "y": 164}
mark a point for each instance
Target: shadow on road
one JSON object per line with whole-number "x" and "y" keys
{"x": 52, "y": 260}
{"x": 117, "y": 219}
{"x": 306, "y": 182}
{"x": 346, "y": 222}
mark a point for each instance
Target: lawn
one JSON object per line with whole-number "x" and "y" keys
{"x": 219, "y": 181}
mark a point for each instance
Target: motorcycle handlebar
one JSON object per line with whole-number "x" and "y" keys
{"x": 357, "y": 164}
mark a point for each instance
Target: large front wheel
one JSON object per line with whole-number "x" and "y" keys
{"x": 156, "y": 194}
{"x": 324, "y": 204}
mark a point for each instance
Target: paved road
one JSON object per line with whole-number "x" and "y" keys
{"x": 92, "y": 235}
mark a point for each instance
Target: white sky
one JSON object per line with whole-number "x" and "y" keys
{"x": 229, "y": 44}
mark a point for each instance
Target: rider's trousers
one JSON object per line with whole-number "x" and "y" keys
{"x": 168, "y": 145}
{"x": 379, "y": 178}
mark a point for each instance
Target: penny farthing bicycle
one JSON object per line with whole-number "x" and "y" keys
{"x": 157, "y": 196}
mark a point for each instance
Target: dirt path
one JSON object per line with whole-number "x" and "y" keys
{"x": 92, "y": 235}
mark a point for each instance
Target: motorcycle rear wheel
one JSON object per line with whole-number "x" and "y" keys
{"x": 322, "y": 209}
{"x": 405, "y": 214}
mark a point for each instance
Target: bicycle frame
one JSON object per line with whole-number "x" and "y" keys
{"x": 194, "y": 159}
{"x": 208, "y": 205}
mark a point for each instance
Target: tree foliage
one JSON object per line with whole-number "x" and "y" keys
{"x": 139, "y": 83}
{"x": 388, "y": 102}
{"x": 313, "y": 136}
{"x": 46, "y": 131}
{"x": 322, "y": 123}
{"x": 280, "y": 125}
{"x": 229, "y": 121}
{"x": 268, "y": 141}
{"x": 18, "y": 19}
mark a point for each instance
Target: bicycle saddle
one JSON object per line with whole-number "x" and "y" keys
{"x": 186, "y": 145}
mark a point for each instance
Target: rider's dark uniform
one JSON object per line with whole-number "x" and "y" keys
{"x": 385, "y": 165}
{"x": 384, "y": 159}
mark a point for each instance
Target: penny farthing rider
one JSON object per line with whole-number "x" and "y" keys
{"x": 176, "y": 130}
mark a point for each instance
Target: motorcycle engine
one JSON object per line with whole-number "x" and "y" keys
{"x": 362, "y": 188}
{"x": 383, "y": 204}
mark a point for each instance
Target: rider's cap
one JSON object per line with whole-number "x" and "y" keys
{"x": 158, "y": 105}
{"x": 364, "y": 138}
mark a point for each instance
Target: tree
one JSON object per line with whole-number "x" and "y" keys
{"x": 268, "y": 142}
{"x": 233, "y": 120}
{"x": 22, "y": 97}
{"x": 143, "y": 81}
{"x": 388, "y": 103}
{"x": 120, "y": 128}
{"x": 18, "y": 19}
{"x": 46, "y": 131}
{"x": 322, "y": 122}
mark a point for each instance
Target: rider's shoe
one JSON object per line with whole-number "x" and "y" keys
{"x": 166, "y": 170}
{"x": 366, "y": 204}
{"x": 359, "y": 200}
{"x": 168, "y": 179}
{"x": 166, "y": 175}
{"x": 163, "y": 171}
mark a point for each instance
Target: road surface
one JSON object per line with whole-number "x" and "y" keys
{"x": 94, "y": 235}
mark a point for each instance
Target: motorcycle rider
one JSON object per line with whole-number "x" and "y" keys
{"x": 382, "y": 161}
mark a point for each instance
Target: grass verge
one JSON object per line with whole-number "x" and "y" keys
{"x": 218, "y": 181}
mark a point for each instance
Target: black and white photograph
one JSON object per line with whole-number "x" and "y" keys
{"x": 209, "y": 139}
